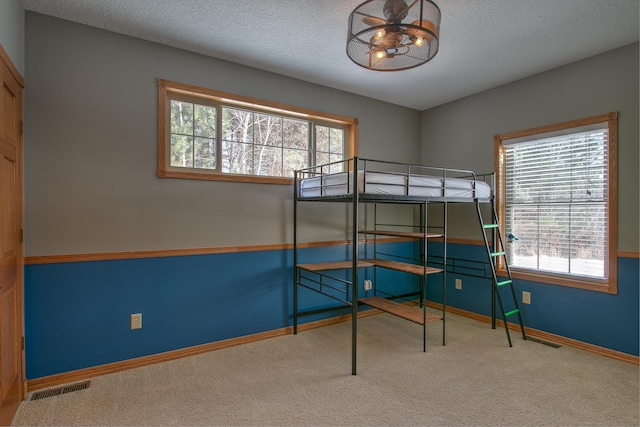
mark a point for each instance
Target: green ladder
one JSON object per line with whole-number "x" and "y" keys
{"x": 496, "y": 251}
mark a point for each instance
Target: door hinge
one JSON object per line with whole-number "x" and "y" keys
{"x": 21, "y": 125}
{"x": 22, "y": 343}
{"x": 21, "y": 236}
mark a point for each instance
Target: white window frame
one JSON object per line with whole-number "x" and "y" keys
{"x": 169, "y": 90}
{"x": 607, "y": 284}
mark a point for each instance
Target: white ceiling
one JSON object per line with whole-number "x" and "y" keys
{"x": 483, "y": 43}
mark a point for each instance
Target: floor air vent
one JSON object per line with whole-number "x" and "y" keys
{"x": 60, "y": 390}
{"x": 547, "y": 343}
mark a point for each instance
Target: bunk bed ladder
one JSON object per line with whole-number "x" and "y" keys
{"x": 497, "y": 251}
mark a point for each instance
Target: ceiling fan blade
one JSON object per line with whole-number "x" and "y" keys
{"x": 373, "y": 21}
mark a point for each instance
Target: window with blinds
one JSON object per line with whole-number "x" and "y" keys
{"x": 554, "y": 198}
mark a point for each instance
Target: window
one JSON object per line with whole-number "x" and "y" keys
{"x": 206, "y": 134}
{"x": 556, "y": 195}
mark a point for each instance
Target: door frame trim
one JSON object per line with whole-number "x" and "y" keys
{"x": 12, "y": 68}
{"x": 6, "y": 60}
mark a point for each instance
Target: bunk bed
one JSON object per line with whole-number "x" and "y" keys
{"x": 357, "y": 181}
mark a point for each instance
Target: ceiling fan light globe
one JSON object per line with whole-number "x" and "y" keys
{"x": 427, "y": 30}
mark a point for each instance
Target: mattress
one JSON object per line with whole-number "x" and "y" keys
{"x": 395, "y": 184}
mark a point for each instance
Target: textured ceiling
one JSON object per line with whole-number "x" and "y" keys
{"x": 483, "y": 43}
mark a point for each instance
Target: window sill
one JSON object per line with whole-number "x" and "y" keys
{"x": 606, "y": 286}
{"x": 224, "y": 177}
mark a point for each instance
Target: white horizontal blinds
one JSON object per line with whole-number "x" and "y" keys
{"x": 556, "y": 203}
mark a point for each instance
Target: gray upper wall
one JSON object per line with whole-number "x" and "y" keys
{"x": 461, "y": 133}
{"x": 91, "y": 180}
{"x": 12, "y": 31}
{"x": 91, "y": 155}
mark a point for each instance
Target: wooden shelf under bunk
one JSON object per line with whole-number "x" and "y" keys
{"x": 339, "y": 265}
{"x": 401, "y": 310}
{"x": 405, "y": 267}
{"x": 410, "y": 234}
{"x": 384, "y": 263}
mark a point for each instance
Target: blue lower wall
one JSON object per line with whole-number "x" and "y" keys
{"x": 77, "y": 314}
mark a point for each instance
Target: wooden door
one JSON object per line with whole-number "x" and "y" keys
{"x": 11, "y": 259}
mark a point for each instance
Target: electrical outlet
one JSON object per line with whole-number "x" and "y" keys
{"x": 136, "y": 321}
{"x": 459, "y": 284}
{"x": 526, "y": 297}
{"x": 368, "y": 285}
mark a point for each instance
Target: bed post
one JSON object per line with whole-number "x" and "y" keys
{"x": 423, "y": 279}
{"x": 354, "y": 270}
{"x": 295, "y": 252}
{"x": 444, "y": 271}
{"x": 494, "y": 248}
{"x": 423, "y": 250}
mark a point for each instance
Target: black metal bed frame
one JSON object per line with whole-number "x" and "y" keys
{"x": 346, "y": 291}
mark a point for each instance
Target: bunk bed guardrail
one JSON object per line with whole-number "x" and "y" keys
{"x": 393, "y": 180}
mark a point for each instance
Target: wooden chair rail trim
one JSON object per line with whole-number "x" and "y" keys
{"x": 160, "y": 253}
{"x": 628, "y": 254}
{"x": 109, "y": 256}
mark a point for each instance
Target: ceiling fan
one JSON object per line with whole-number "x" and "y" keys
{"x": 392, "y": 35}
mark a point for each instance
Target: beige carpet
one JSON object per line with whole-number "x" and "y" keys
{"x": 476, "y": 379}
